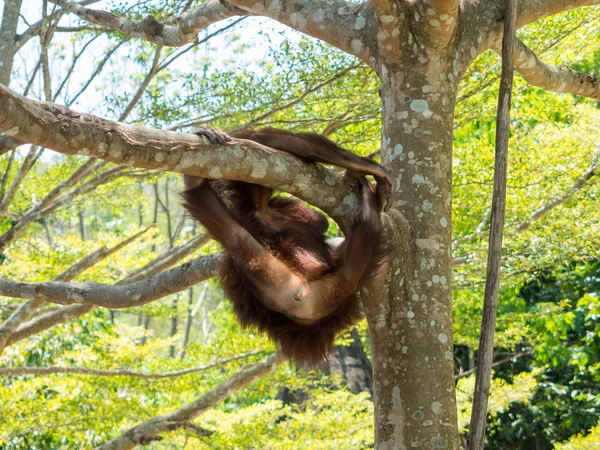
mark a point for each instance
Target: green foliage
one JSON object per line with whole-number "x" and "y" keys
{"x": 502, "y": 395}
{"x": 580, "y": 442}
{"x": 567, "y": 396}
{"x": 329, "y": 420}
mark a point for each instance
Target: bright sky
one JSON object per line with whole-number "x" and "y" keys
{"x": 27, "y": 58}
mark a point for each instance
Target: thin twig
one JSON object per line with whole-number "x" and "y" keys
{"x": 53, "y": 370}
{"x": 468, "y": 373}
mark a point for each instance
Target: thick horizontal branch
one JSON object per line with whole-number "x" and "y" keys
{"x": 553, "y": 78}
{"x": 149, "y": 430}
{"x": 70, "y": 132}
{"x": 7, "y": 144}
{"x": 155, "y": 266}
{"x": 116, "y": 296}
{"x": 337, "y": 22}
{"x": 176, "y": 32}
{"x": 41, "y": 371}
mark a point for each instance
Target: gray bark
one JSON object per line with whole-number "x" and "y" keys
{"x": 352, "y": 365}
{"x": 8, "y": 34}
{"x": 476, "y": 437}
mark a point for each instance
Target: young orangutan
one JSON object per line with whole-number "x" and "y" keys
{"x": 280, "y": 274}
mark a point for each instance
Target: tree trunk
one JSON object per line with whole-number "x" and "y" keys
{"x": 81, "y": 224}
{"x": 351, "y": 363}
{"x": 410, "y": 313}
{"x": 146, "y": 324}
{"x": 8, "y": 31}
{"x": 173, "y": 331}
{"x": 188, "y": 323}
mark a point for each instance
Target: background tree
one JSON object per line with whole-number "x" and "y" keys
{"x": 420, "y": 52}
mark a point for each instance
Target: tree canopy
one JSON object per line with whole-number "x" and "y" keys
{"x": 124, "y": 328}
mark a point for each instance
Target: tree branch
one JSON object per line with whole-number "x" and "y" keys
{"x": 6, "y": 174}
{"x": 34, "y": 29}
{"x": 46, "y": 321}
{"x": 26, "y": 165}
{"x": 297, "y": 99}
{"x": 476, "y": 436}
{"x": 177, "y": 32}
{"x": 149, "y": 430}
{"x": 8, "y": 48}
{"x": 258, "y": 121}
{"x": 468, "y": 373}
{"x": 578, "y": 184}
{"x": 36, "y": 213}
{"x": 390, "y": 19}
{"x": 167, "y": 259}
{"x": 553, "y": 78}
{"x": 116, "y": 296}
{"x": 337, "y": 22}
{"x": 41, "y": 371}
{"x": 7, "y": 144}
{"x": 532, "y": 10}
{"x": 143, "y": 85}
{"x": 66, "y": 131}
{"x": 539, "y": 212}
{"x": 436, "y": 21}
{"x": 94, "y": 258}
{"x": 154, "y": 267}
{"x": 27, "y": 309}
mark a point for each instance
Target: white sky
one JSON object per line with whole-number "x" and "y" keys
{"x": 27, "y": 57}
